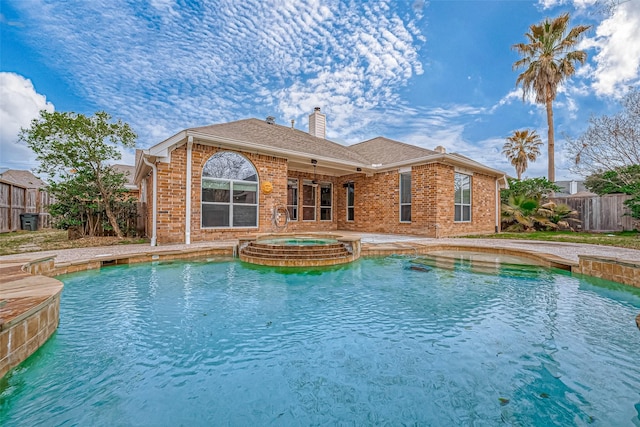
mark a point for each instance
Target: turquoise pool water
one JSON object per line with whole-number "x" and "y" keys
{"x": 220, "y": 343}
{"x": 297, "y": 241}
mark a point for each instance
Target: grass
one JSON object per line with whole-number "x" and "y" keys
{"x": 52, "y": 239}
{"x": 623, "y": 239}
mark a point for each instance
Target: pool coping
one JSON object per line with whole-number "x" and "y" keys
{"x": 30, "y": 295}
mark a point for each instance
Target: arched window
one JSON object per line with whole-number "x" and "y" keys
{"x": 229, "y": 191}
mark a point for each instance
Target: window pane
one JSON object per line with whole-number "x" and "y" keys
{"x": 292, "y": 192}
{"x": 230, "y": 165}
{"x": 466, "y": 213}
{"x": 405, "y": 213}
{"x": 405, "y": 188}
{"x": 325, "y": 214}
{"x": 457, "y": 183}
{"x": 244, "y": 186}
{"x": 466, "y": 191}
{"x": 350, "y": 195}
{"x": 350, "y": 214}
{"x": 220, "y": 185}
{"x": 215, "y": 184}
{"x": 458, "y": 213}
{"x": 292, "y": 199}
{"x": 293, "y": 213}
{"x": 462, "y": 197}
{"x": 308, "y": 213}
{"x": 244, "y": 196}
{"x": 245, "y": 216}
{"x": 215, "y": 215}
{"x": 308, "y": 195}
{"x": 325, "y": 195}
{"x": 215, "y": 191}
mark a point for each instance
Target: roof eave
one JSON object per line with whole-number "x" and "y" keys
{"x": 339, "y": 164}
{"x": 443, "y": 158}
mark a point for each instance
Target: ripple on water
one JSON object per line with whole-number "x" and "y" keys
{"x": 369, "y": 343}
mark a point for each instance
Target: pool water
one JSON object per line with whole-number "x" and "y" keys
{"x": 372, "y": 342}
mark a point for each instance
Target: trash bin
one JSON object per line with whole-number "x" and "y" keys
{"x": 29, "y": 221}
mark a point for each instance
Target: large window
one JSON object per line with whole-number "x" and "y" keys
{"x": 292, "y": 198}
{"x": 405, "y": 197}
{"x": 462, "y": 198}
{"x": 351, "y": 202}
{"x": 229, "y": 192}
{"x": 309, "y": 201}
{"x": 326, "y": 202}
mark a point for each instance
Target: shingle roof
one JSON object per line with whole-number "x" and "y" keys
{"x": 22, "y": 178}
{"x": 128, "y": 171}
{"x": 283, "y": 137}
{"x": 384, "y": 151}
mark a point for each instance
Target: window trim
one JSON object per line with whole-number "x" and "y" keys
{"x": 400, "y": 202}
{"x": 309, "y": 183}
{"x": 350, "y": 186}
{"x": 297, "y": 200}
{"x": 461, "y": 203}
{"x": 330, "y": 207}
{"x": 230, "y": 203}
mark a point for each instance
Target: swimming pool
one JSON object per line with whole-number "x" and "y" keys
{"x": 372, "y": 342}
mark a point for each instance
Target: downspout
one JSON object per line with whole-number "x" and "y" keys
{"x": 497, "y": 206}
{"x": 498, "y": 203}
{"x": 154, "y": 221}
{"x": 187, "y": 228}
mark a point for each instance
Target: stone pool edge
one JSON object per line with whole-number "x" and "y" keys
{"x": 30, "y": 296}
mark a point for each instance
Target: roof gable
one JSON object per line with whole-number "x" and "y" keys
{"x": 128, "y": 171}
{"x": 282, "y": 137}
{"x": 386, "y": 151}
{"x": 23, "y": 178}
{"x": 299, "y": 147}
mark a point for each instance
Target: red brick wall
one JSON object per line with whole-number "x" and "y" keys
{"x": 316, "y": 225}
{"x": 376, "y": 200}
{"x": 377, "y": 203}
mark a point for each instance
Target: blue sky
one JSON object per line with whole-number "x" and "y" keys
{"x": 427, "y": 73}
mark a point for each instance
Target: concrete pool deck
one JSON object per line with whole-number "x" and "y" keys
{"x": 567, "y": 251}
{"x": 30, "y": 296}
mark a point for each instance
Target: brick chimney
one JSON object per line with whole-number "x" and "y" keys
{"x": 317, "y": 123}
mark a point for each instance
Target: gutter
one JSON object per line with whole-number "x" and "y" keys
{"x": 443, "y": 158}
{"x": 250, "y": 146}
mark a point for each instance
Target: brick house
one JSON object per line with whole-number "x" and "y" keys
{"x": 252, "y": 176}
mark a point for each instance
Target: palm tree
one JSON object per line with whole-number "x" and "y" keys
{"x": 548, "y": 60}
{"x": 521, "y": 147}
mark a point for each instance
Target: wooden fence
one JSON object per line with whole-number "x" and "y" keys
{"x": 601, "y": 213}
{"x": 16, "y": 200}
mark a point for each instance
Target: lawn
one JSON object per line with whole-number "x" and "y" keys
{"x": 51, "y": 239}
{"x": 623, "y": 239}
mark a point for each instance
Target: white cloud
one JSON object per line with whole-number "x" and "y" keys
{"x": 617, "y": 40}
{"x": 195, "y": 66}
{"x": 616, "y": 64}
{"x": 579, "y": 4}
{"x": 548, "y": 4}
{"x": 429, "y": 128}
{"x": 514, "y": 95}
{"x": 19, "y": 104}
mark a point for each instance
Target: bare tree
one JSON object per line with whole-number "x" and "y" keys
{"x": 610, "y": 142}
